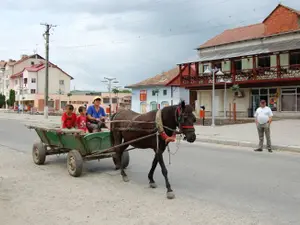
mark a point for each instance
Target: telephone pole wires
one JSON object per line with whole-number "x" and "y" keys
{"x": 46, "y": 94}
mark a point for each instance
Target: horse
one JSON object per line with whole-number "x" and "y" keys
{"x": 160, "y": 124}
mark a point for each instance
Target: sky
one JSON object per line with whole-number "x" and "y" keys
{"x": 128, "y": 40}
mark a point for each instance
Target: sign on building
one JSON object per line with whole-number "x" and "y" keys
{"x": 143, "y": 95}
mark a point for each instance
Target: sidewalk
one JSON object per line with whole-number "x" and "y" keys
{"x": 284, "y": 135}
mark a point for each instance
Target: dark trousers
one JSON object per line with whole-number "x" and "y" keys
{"x": 264, "y": 129}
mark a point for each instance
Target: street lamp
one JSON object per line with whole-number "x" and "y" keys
{"x": 225, "y": 94}
{"x": 110, "y": 81}
{"x": 213, "y": 72}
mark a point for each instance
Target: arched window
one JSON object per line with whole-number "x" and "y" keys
{"x": 164, "y": 104}
{"x": 153, "y": 105}
{"x": 143, "y": 108}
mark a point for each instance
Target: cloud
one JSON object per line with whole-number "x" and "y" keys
{"x": 130, "y": 40}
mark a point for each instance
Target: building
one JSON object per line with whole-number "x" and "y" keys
{"x": 27, "y": 77}
{"x": 259, "y": 61}
{"x": 153, "y": 93}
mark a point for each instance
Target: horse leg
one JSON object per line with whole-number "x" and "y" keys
{"x": 152, "y": 183}
{"x": 170, "y": 194}
{"x": 124, "y": 175}
{"x": 117, "y": 137}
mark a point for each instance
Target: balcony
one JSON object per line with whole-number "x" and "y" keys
{"x": 246, "y": 76}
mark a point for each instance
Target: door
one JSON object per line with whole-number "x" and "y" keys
{"x": 255, "y": 102}
{"x": 193, "y": 98}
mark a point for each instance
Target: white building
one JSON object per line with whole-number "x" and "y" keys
{"x": 151, "y": 93}
{"x": 27, "y": 77}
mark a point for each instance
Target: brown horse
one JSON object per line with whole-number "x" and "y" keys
{"x": 171, "y": 117}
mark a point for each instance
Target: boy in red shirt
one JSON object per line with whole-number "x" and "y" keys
{"x": 81, "y": 119}
{"x": 68, "y": 119}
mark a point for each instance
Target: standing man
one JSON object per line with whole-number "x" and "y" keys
{"x": 263, "y": 118}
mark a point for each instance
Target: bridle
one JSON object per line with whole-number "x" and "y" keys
{"x": 179, "y": 117}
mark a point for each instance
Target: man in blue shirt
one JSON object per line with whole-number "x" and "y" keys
{"x": 95, "y": 116}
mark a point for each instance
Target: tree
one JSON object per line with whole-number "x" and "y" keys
{"x": 115, "y": 91}
{"x": 2, "y": 100}
{"x": 12, "y": 98}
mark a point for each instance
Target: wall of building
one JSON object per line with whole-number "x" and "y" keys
{"x": 178, "y": 94}
{"x": 55, "y": 75}
{"x": 205, "y": 99}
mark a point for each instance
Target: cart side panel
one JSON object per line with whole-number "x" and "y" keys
{"x": 48, "y": 137}
{"x": 74, "y": 142}
{"x": 97, "y": 142}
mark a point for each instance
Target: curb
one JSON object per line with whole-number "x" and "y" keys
{"x": 288, "y": 148}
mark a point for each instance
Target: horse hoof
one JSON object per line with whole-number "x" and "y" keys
{"x": 170, "y": 195}
{"x": 152, "y": 185}
{"x": 125, "y": 179}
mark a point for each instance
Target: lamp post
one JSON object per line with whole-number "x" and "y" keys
{"x": 109, "y": 82}
{"x": 214, "y": 71}
{"x": 225, "y": 95}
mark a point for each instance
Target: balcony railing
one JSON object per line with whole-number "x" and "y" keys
{"x": 289, "y": 72}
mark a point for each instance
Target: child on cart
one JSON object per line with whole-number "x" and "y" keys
{"x": 81, "y": 119}
{"x": 68, "y": 118}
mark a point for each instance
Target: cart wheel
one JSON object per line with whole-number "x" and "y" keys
{"x": 74, "y": 163}
{"x": 125, "y": 159}
{"x": 39, "y": 153}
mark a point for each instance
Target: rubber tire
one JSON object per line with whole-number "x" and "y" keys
{"x": 125, "y": 159}
{"x": 40, "y": 149}
{"x": 78, "y": 163}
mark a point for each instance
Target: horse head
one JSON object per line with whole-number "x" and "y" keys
{"x": 185, "y": 120}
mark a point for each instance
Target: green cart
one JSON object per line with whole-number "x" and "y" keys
{"x": 79, "y": 147}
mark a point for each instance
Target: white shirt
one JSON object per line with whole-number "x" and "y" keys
{"x": 263, "y": 114}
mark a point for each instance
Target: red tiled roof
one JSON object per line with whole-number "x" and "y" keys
{"x": 236, "y": 34}
{"x": 36, "y": 68}
{"x": 158, "y": 80}
{"x": 242, "y": 33}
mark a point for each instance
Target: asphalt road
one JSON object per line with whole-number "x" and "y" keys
{"x": 264, "y": 186}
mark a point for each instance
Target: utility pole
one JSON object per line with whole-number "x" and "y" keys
{"x": 46, "y": 95}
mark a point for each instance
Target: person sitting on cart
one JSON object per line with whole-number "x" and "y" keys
{"x": 95, "y": 116}
{"x": 69, "y": 118}
{"x": 81, "y": 119}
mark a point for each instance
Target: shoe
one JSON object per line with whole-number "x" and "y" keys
{"x": 270, "y": 150}
{"x": 258, "y": 150}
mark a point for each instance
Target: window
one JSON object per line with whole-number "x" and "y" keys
{"x": 16, "y": 82}
{"x": 164, "y": 104}
{"x": 165, "y": 92}
{"x": 205, "y": 67}
{"x": 114, "y": 100}
{"x": 61, "y": 82}
{"x": 32, "y": 91}
{"x": 153, "y": 105}
{"x": 238, "y": 65}
{"x": 25, "y": 80}
{"x": 289, "y": 99}
{"x": 155, "y": 92}
{"x": 294, "y": 58}
{"x": 217, "y": 65}
{"x": 106, "y": 100}
{"x": 264, "y": 61}
{"x": 33, "y": 80}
